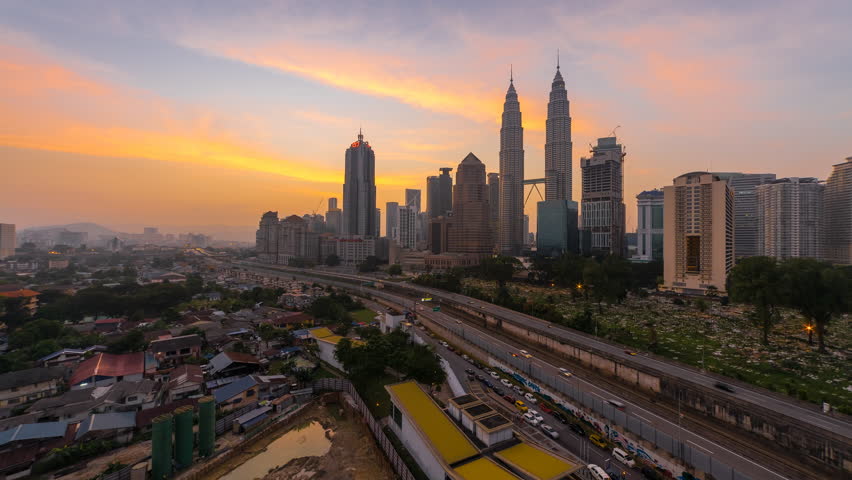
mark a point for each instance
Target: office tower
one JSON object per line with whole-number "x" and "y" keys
{"x": 332, "y": 203}
{"x": 333, "y": 217}
{"x": 445, "y": 191}
{"x": 698, "y": 239}
{"x": 557, "y": 146}
{"x": 603, "y": 196}
{"x": 788, "y": 218}
{"x": 266, "y": 238}
{"x": 412, "y": 198}
{"x": 526, "y": 230}
{"x": 439, "y": 235}
{"x": 377, "y": 223}
{"x": 406, "y": 227}
{"x": 433, "y": 196}
{"x": 494, "y": 206}
{"x": 649, "y": 229}
{"x": 359, "y": 189}
{"x": 392, "y": 220}
{"x": 469, "y": 232}
{"x": 557, "y": 228}
{"x": 422, "y": 229}
{"x": 838, "y": 214}
{"x": 745, "y": 210}
{"x": 511, "y": 175}
{"x": 7, "y": 240}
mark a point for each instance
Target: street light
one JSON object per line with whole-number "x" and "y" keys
{"x": 810, "y": 329}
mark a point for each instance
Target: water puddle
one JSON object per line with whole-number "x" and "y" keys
{"x": 306, "y": 442}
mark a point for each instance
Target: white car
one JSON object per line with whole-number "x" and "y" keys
{"x": 506, "y": 383}
{"x": 536, "y": 415}
{"x": 517, "y": 390}
{"x": 465, "y": 357}
{"x": 550, "y": 431}
{"x": 494, "y": 374}
{"x": 525, "y": 354}
{"x": 565, "y": 372}
{"x": 530, "y": 419}
{"x": 530, "y": 398}
{"x": 444, "y": 344}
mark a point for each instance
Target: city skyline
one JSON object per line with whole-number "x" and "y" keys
{"x": 129, "y": 136}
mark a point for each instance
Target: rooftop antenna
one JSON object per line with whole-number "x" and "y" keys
{"x": 557, "y": 59}
{"x": 511, "y": 74}
{"x": 613, "y": 131}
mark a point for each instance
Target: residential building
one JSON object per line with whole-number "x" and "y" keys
{"x": 30, "y": 297}
{"x": 266, "y": 238}
{"x": 511, "y": 175}
{"x": 558, "y": 146}
{"x": 406, "y": 227}
{"x": 354, "y": 249}
{"x": 744, "y": 186}
{"x": 556, "y": 232}
{"x": 359, "y": 190}
{"x": 412, "y": 199}
{"x": 237, "y": 394}
{"x": 333, "y": 217}
{"x": 392, "y": 221}
{"x": 603, "y": 196}
{"x": 108, "y": 325}
{"x": 106, "y": 369}
{"x": 292, "y": 240}
{"x": 228, "y": 363}
{"x": 789, "y": 214}
{"x": 72, "y": 239}
{"x": 176, "y": 349}
{"x": 470, "y": 232}
{"x": 185, "y": 381}
{"x": 698, "y": 240}
{"x": 24, "y": 386}
{"x": 327, "y": 342}
{"x": 838, "y": 215}
{"x": 649, "y": 229}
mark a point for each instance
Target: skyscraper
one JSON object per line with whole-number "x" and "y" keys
{"x": 494, "y": 206}
{"x": 359, "y": 189}
{"x": 7, "y": 240}
{"x": 333, "y": 217}
{"x": 332, "y": 203}
{"x": 649, "y": 231}
{"x": 511, "y": 175}
{"x": 292, "y": 240}
{"x": 838, "y": 214}
{"x": 406, "y": 227}
{"x": 603, "y": 196}
{"x": 392, "y": 220}
{"x": 266, "y": 238}
{"x": 557, "y": 228}
{"x": 557, "y": 146}
{"x": 527, "y": 230}
{"x": 432, "y": 195}
{"x": 377, "y": 223}
{"x": 412, "y": 198}
{"x": 698, "y": 243}
{"x": 470, "y": 232}
{"x": 744, "y": 186}
{"x": 788, "y": 218}
{"x": 445, "y": 191}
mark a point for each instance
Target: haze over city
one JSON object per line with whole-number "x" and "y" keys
{"x": 170, "y": 113}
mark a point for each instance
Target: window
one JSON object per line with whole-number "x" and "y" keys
{"x": 657, "y": 216}
{"x": 397, "y": 415}
{"x": 250, "y": 393}
{"x": 693, "y": 254}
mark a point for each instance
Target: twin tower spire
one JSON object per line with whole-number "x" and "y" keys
{"x": 557, "y": 159}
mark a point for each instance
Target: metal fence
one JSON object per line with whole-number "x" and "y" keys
{"x": 343, "y": 385}
{"x": 225, "y": 423}
{"x": 637, "y": 426}
{"x": 123, "y": 474}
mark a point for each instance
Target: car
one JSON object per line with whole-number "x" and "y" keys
{"x": 450, "y": 348}
{"x": 488, "y": 384}
{"x": 564, "y": 372}
{"x": 525, "y": 354}
{"x": 530, "y": 419}
{"x": 444, "y": 344}
{"x": 630, "y": 352}
{"x": 471, "y": 377}
{"x": 597, "y": 440}
{"x": 623, "y": 457}
{"x": 521, "y": 406}
{"x": 465, "y": 357}
{"x": 518, "y": 390}
{"x": 509, "y": 398}
{"x": 530, "y": 398}
{"x": 544, "y": 408}
{"x": 724, "y": 386}
{"x": 469, "y": 371}
{"x": 536, "y": 415}
{"x": 616, "y": 404}
{"x": 494, "y": 374}
{"x": 576, "y": 428}
{"x": 506, "y": 383}
{"x": 497, "y": 391}
{"x": 550, "y": 431}
{"x": 598, "y": 473}
{"x": 480, "y": 378}
{"x": 651, "y": 473}
{"x": 562, "y": 418}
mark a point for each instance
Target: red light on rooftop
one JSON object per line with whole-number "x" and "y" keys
{"x": 355, "y": 144}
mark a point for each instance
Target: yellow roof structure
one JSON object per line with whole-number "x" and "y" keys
{"x": 326, "y": 335}
{"x": 535, "y": 462}
{"x": 321, "y": 332}
{"x": 444, "y": 436}
{"x": 483, "y": 469}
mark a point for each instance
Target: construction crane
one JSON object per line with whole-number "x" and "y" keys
{"x": 318, "y": 206}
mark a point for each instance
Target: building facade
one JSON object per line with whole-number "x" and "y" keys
{"x": 838, "y": 215}
{"x": 470, "y": 232}
{"x": 556, "y": 233}
{"x": 7, "y": 240}
{"x": 392, "y": 220}
{"x": 698, "y": 244}
{"x": 744, "y": 186}
{"x": 412, "y": 198}
{"x": 603, "y": 196}
{"x": 352, "y": 250}
{"x": 266, "y": 238}
{"x": 558, "y": 145}
{"x": 292, "y": 240}
{"x": 511, "y": 175}
{"x": 649, "y": 227}
{"x": 359, "y": 190}
{"x": 406, "y": 227}
{"x": 789, "y": 213}
{"x": 433, "y": 189}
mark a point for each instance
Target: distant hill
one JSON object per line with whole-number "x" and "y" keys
{"x": 93, "y": 229}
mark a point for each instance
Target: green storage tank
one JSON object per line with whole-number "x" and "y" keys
{"x": 161, "y": 448}
{"x": 183, "y": 437}
{"x": 206, "y": 426}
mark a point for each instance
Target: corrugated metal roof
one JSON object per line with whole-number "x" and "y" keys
{"x": 32, "y": 431}
{"x": 234, "y": 388}
{"x": 106, "y": 421}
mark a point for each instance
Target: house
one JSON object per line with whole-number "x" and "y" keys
{"x": 22, "y": 445}
{"x": 185, "y": 381}
{"x": 108, "y": 325}
{"x": 291, "y": 319}
{"x": 327, "y": 342}
{"x": 233, "y": 363}
{"x": 29, "y": 298}
{"x": 391, "y": 320}
{"x": 175, "y": 349}
{"x": 116, "y": 426}
{"x": 76, "y": 405}
{"x": 29, "y": 385}
{"x": 128, "y": 395}
{"x": 236, "y": 394}
{"x": 107, "y": 368}
{"x": 170, "y": 277}
{"x": 272, "y": 386}
{"x": 68, "y": 356}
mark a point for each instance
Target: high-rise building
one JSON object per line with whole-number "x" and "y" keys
{"x": 433, "y": 195}
{"x": 470, "y": 232}
{"x": 392, "y": 220}
{"x": 445, "y": 191}
{"x": 354, "y": 249}
{"x": 406, "y": 227}
{"x": 7, "y": 240}
{"x": 377, "y": 224}
{"x": 698, "y": 243}
{"x": 439, "y": 234}
{"x": 838, "y": 214}
{"x": 292, "y": 239}
{"x": 603, "y": 196}
{"x": 412, "y": 198}
{"x": 359, "y": 189}
{"x": 494, "y": 206}
{"x": 649, "y": 228}
{"x": 527, "y": 230}
{"x": 744, "y": 186}
{"x": 332, "y": 203}
{"x": 558, "y": 146}
{"x": 422, "y": 230}
{"x": 789, "y": 213}
{"x": 511, "y": 175}
{"x": 266, "y": 238}
{"x": 557, "y": 228}
{"x": 333, "y": 217}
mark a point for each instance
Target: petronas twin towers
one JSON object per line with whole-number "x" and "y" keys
{"x": 557, "y": 161}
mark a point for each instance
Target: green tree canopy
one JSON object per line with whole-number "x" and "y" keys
{"x": 759, "y": 281}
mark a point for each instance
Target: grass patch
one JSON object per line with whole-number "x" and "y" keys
{"x": 364, "y": 315}
{"x": 323, "y": 372}
{"x": 375, "y": 396}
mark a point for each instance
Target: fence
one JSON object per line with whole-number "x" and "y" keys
{"x": 678, "y": 449}
{"x": 123, "y": 474}
{"x": 225, "y": 423}
{"x": 343, "y": 385}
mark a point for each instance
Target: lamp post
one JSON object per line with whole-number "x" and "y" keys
{"x": 810, "y": 329}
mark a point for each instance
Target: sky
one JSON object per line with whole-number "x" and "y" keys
{"x": 213, "y": 112}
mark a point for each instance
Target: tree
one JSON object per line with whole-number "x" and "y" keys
{"x": 499, "y": 269}
{"x": 395, "y": 269}
{"x": 134, "y": 341}
{"x": 422, "y": 364}
{"x": 819, "y": 291}
{"x": 370, "y": 264}
{"x": 759, "y": 282}
{"x": 332, "y": 260}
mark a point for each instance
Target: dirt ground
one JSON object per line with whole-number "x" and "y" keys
{"x": 129, "y": 455}
{"x": 354, "y": 454}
